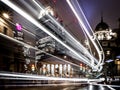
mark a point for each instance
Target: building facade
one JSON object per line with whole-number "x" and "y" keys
{"x": 109, "y": 39}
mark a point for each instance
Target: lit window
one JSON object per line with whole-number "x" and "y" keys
{"x": 108, "y": 52}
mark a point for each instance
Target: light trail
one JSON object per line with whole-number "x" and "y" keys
{"x": 29, "y": 46}
{"x": 79, "y": 45}
{"x": 62, "y": 81}
{"x": 35, "y": 22}
{"x": 17, "y": 41}
{"x": 38, "y": 77}
{"x": 90, "y": 87}
{"x": 23, "y": 28}
{"x": 75, "y": 7}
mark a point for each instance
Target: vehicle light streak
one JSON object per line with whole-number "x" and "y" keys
{"x": 93, "y": 59}
{"x": 82, "y": 47}
{"x": 29, "y": 46}
{"x": 90, "y": 87}
{"x": 38, "y": 77}
{"x": 65, "y": 31}
{"x": 85, "y": 25}
{"x": 24, "y": 44}
{"x": 17, "y": 41}
{"x": 22, "y": 27}
{"x": 79, "y": 45}
{"x": 35, "y": 22}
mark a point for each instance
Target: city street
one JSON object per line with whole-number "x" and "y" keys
{"x": 64, "y": 86}
{"x": 11, "y": 81}
{"x": 59, "y": 45}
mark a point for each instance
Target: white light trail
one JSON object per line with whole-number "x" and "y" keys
{"x": 24, "y": 44}
{"x": 82, "y": 20}
{"x": 38, "y": 77}
{"x": 91, "y": 87}
{"x": 110, "y": 88}
{"x": 17, "y": 41}
{"x": 35, "y": 22}
{"x": 98, "y": 48}
{"x": 78, "y": 44}
{"x": 27, "y": 45}
{"x": 22, "y": 27}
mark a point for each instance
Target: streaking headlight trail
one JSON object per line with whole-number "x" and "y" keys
{"x": 87, "y": 58}
{"x": 20, "y": 76}
{"x": 38, "y": 24}
{"x": 78, "y": 12}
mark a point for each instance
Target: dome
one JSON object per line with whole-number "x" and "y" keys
{"x": 101, "y": 26}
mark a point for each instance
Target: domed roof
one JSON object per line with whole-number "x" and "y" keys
{"x": 101, "y": 26}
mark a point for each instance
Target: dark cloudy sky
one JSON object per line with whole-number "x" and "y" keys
{"x": 109, "y": 8}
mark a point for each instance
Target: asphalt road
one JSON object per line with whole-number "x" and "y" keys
{"x": 57, "y": 87}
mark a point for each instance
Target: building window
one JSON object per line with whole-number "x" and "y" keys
{"x": 104, "y": 43}
{"x": 108, "y": 52}
{"x": 5, "y": 30}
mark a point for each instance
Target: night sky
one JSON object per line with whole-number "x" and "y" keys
{"x": 93, "y": 9}
{"x": 110, "y": 10}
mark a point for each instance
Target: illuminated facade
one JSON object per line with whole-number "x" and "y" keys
{"x": 104, "y": 32}
{"x": 5, "y": 28}
{"x": 11, "y": 54}
{"x": 58, "y": 70}
{"x": 109, "y": 40}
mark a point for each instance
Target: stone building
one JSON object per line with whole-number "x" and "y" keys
{"x": 109, "y": 39}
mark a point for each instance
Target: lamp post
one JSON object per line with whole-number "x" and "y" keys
{"x": 5, "y": 15}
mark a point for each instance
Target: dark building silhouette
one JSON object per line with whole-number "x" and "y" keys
{"x": 110, "y": 41}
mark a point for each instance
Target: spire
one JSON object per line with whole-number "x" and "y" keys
{"x": 102, "y": 25}
{"x": 101, "y": 16}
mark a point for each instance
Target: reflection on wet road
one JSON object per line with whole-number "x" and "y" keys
{"x": 61, "y": 87}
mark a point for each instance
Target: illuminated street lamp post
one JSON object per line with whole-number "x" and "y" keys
{"x": 5, "y": 15}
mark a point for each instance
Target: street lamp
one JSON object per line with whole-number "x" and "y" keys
{"x": 6, "y": 15}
